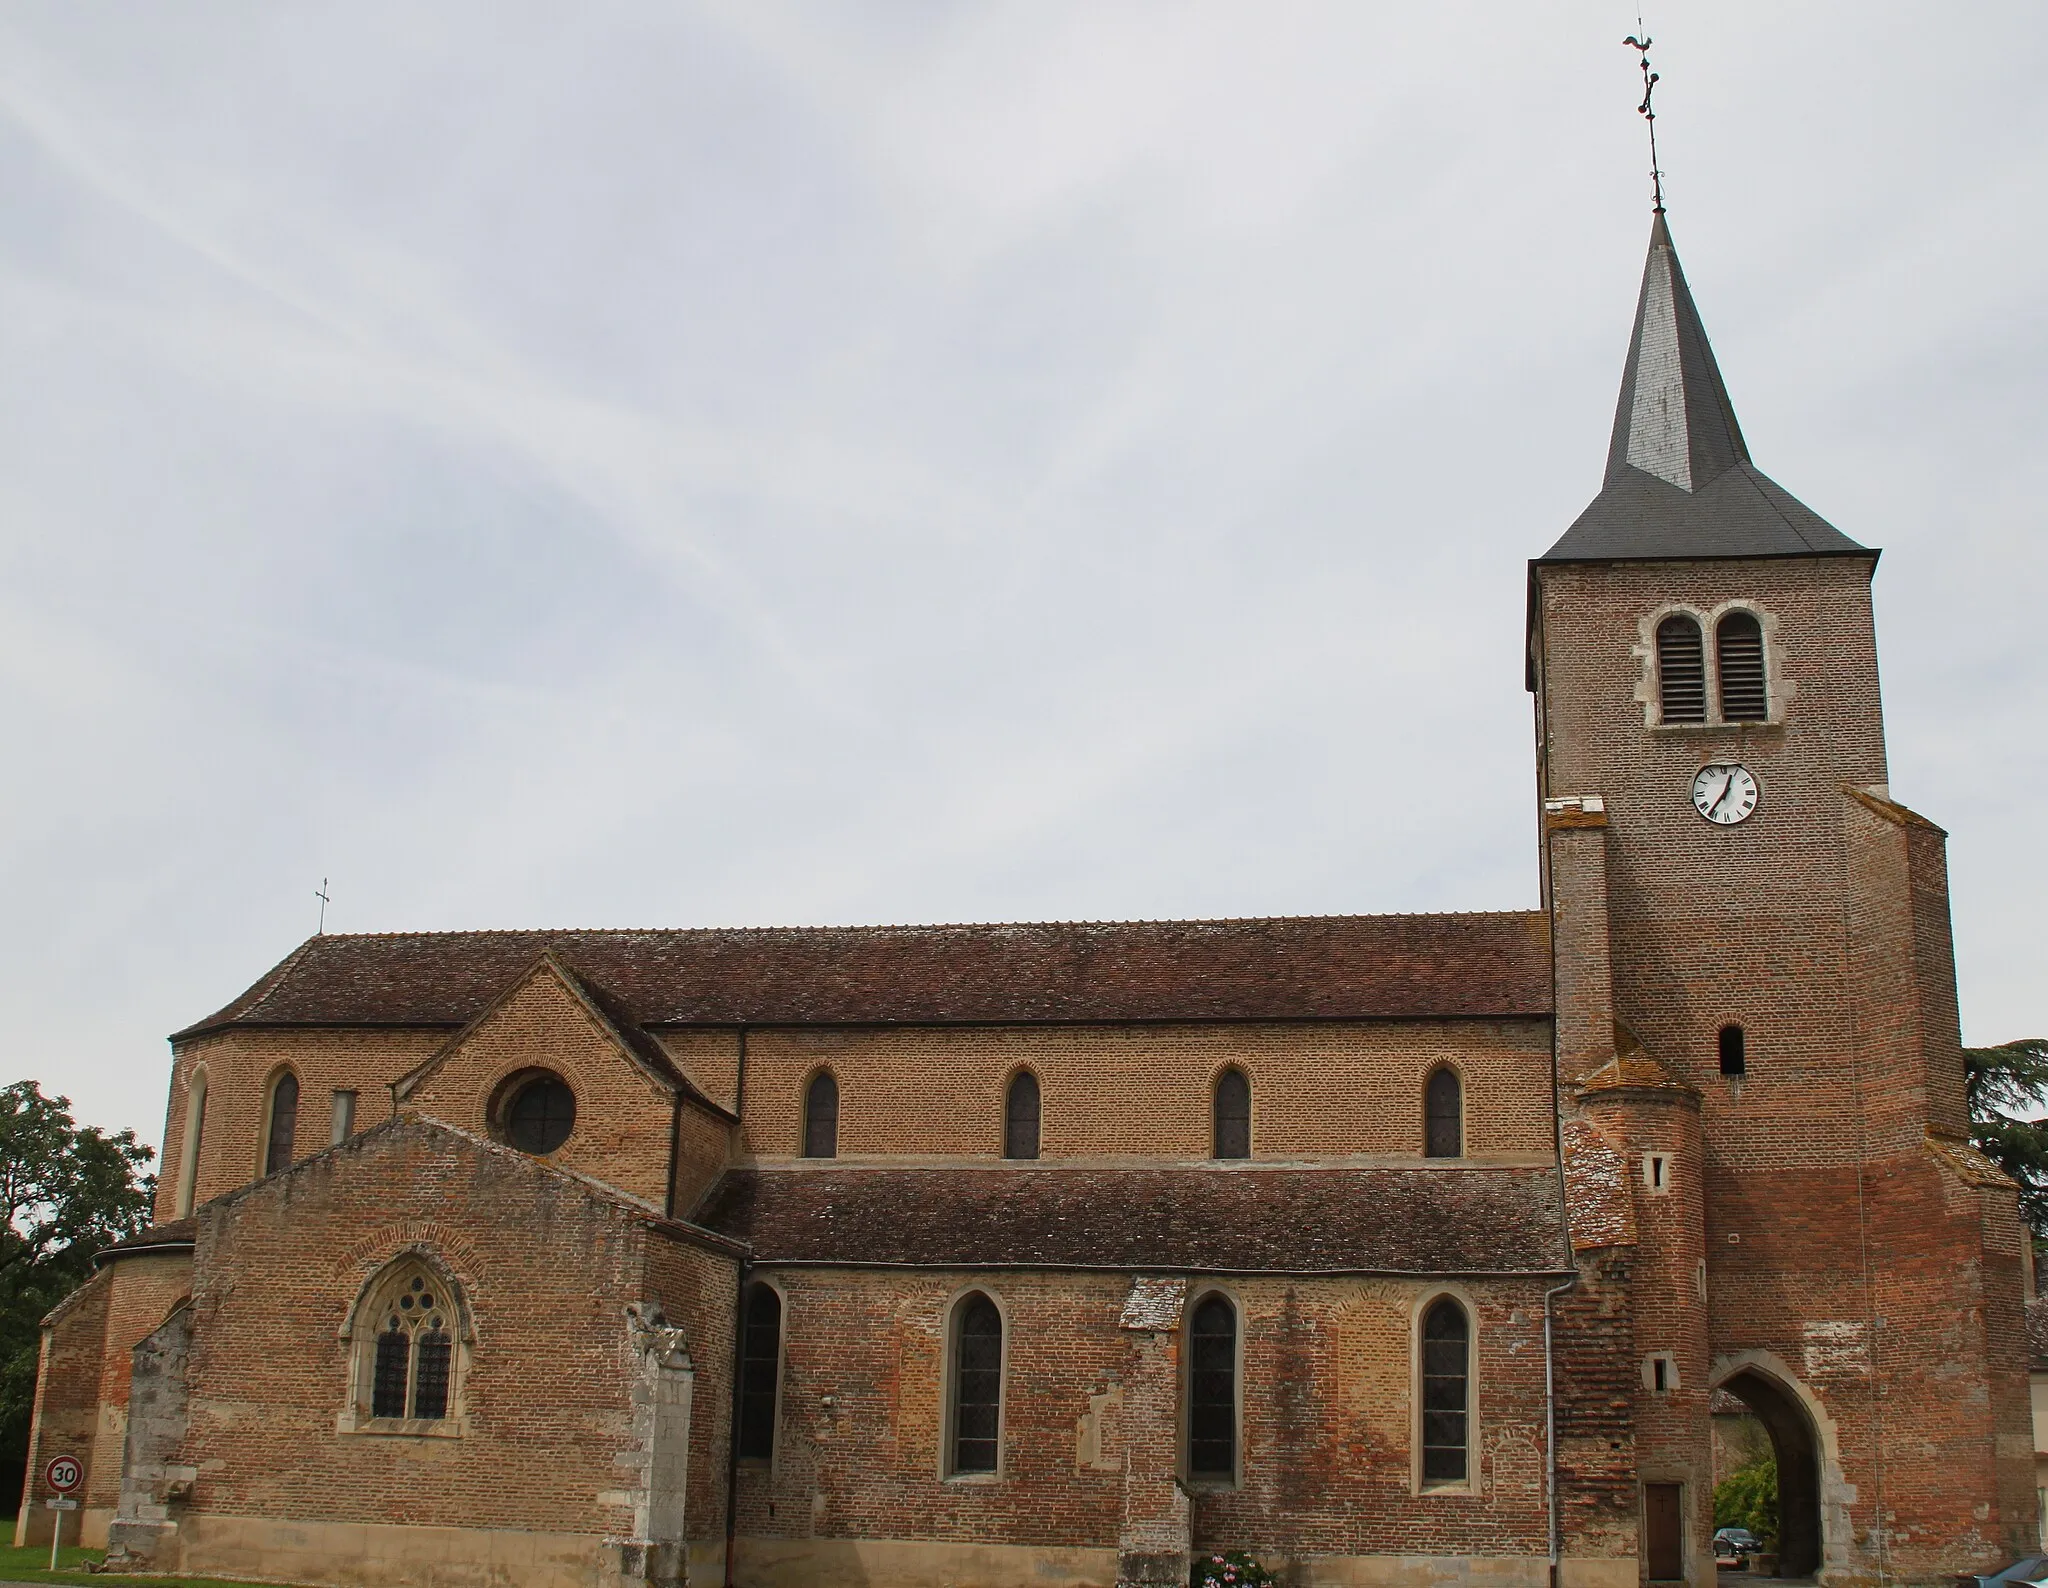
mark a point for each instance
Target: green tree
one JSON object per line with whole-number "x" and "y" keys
{"x": 70, "y": 1190}
{"x": 1748, "y": 1497}
{"x": 2000, "y": 1084}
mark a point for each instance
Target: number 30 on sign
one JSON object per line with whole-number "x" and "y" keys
{"x": 64, "y": 1474}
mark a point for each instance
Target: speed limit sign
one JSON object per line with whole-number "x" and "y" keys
{"x": 64, "y": 1474}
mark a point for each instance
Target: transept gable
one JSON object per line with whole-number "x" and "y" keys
{"x": 549, "y": 1067}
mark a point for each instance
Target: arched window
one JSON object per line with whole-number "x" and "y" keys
{"x": 540, "y": 1114}
{"x": 1446, "y": 1380}
{"x": 760, "y": 1373}
{"x": 1739, "y": 659}
{"x": 1681, "y": 670}
{"x": 284, "y": 1123}
{"x": 1020, "y": 1117}
{"x": 1231, "y": 1129}
{"x": 1444, "y": 1115}
{"x": 414, "y": 1326}
{"x": 977, "y": 1385}
{"x": 1734, "y": 1060}
{"x": 1212, "y": 1389}
{"x": 195, "y": 1138}
{"x": 821, "y": 1116}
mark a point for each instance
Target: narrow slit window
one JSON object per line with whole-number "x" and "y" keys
{"x": 1446, "y": 1381}
{"x": 1660, "y": 1374}
{"x": 1681, "y": 670}
{"x": 1739, "y": 658}
{"x": 1212, "y": 1389}
{"x": 1232, "y": 1115}
{"x": 1657, "y": 1172}
{"x": 1734, "y": 1058}
{"x": 1444, "y": 1106}
{"x": 977, "y": 1385}
{"x": 1020, "y": 1117}
{"x": 760, "y": 1373}
{"x": 284, "y": 1123}
{"x": 821, "y": 1116}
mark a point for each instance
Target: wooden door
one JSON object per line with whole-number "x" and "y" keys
{"x": 1664, "y": 1531}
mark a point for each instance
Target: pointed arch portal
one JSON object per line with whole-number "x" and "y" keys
{"x": 1795, "y": 1446}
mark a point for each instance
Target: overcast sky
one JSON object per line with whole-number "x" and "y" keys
{"x": 751, "y": 463}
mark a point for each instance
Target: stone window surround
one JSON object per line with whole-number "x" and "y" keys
{"x": 1657, "y": 1173}
{"x": 1417, "y": 1484}
{"x": 956, "y": 1305}
{"x": 1779, "y": 689}
{"x": 354, "y": 1417}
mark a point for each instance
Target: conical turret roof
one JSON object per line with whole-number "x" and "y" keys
{"x": 1679, "y": 481}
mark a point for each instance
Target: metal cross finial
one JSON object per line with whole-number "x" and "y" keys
{"x": 1640, "y": 42}
{"x": 321, "y": 895}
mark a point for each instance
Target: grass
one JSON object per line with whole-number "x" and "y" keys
{"x": 33, "y": 1565}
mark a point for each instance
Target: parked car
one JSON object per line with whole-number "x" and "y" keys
{"x": 2027, "y": 1570}
{"x": 1734, "y": 1545}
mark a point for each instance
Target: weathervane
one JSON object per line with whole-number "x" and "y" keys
{"x": 321, "y": 895}
{"x": 1640, "y": 42}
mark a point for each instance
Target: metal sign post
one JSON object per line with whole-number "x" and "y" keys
{"x": 64, "y": 1474}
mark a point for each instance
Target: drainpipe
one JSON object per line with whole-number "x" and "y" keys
{"x": 739, "y": 1336}
{"x": 1550, "y": 1424}
{"x": 732, "y": 1443}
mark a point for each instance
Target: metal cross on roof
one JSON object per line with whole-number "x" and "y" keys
{"x": 321, "y": 895}
{"x": 1640, "y": 41}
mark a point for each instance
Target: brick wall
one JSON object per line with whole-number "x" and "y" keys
{"x": 1327, "y": 1399}
{"x": 547, "y": 1270}
{"x": 67, "y": 1408}
{"x": 239, "y": 1066}
{"x": 1317, "y": 1089}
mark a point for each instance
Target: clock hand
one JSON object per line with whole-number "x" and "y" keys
{"x": 1727, "y": 787}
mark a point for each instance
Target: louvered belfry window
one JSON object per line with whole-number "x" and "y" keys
{"x": 1681, "y": 670}
{"x": 1232, "y": 1126}
{"x": 977, "y": 1385}
{"x": 1446, "y": 1377}
{"x": 1739, "y": 656}
{"x": 821, "y": 1117}
{"x": 1020, "y": 1117}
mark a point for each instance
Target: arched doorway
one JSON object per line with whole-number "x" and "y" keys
{"x": 1795, "y": 1446}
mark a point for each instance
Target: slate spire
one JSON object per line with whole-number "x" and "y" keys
{"x": 1674, "y": 419}
{"x": 1679, "y": 481}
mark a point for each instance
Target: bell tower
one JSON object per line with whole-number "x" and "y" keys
{"x": 1755, "y": 978}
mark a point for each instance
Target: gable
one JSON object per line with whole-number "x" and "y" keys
{"x": 548, "y": 1024}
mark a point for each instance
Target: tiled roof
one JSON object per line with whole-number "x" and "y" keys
{"x": 1309, "y": 967}
{"x": 173, "y": 1236}
{"x": 1214, "y": 1220}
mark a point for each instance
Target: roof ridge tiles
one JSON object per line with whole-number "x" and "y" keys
{"x": 916, "y": 926}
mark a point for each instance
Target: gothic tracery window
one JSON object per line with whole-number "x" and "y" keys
{"x": 413, "y": 1361}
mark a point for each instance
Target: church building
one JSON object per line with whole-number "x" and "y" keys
{"x": 1390, "y": 1249}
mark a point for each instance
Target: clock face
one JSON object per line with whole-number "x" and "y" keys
{"x": 1725, "y": 793}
